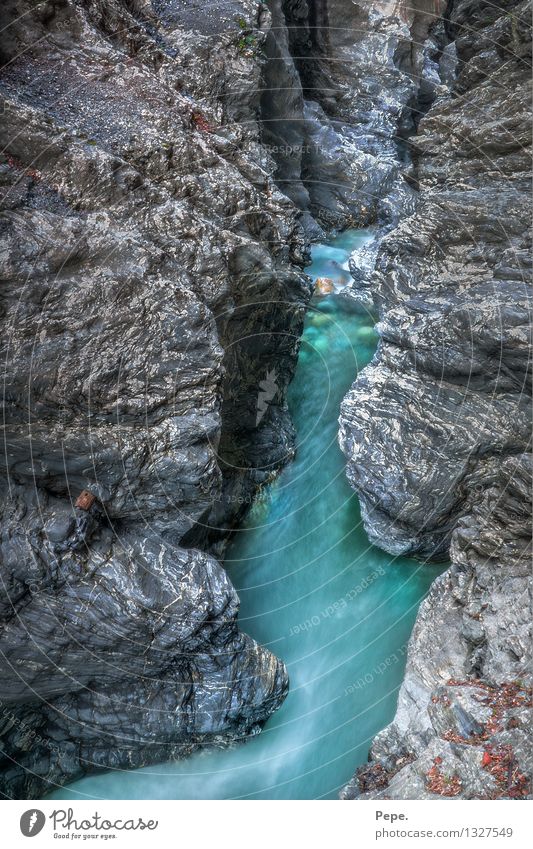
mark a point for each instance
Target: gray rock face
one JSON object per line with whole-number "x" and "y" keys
{"x": 162, "y": 163}
{"x": 463, "y": 723}
{"x": 124, "y": 652}
{"x": 151, "y": 279}
{"x": 435, "y": 430}
{"x": 340, "y": 77}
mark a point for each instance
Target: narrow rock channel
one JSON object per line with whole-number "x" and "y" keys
{"x": 335, "y": 609}
{"x": 195, "y": 505}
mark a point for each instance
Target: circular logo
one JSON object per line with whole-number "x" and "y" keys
{"x": 32, "y": 822}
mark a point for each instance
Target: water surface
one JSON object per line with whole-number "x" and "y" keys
{"x": 337, "y": 610}
{"x": 331, "y": 260}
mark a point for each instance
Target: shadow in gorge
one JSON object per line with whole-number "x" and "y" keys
{"x": 338, "y": 611}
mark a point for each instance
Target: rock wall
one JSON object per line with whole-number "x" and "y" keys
{"x": 340, "y": 78}
{"x": 437, "y": 429}
{"x": 162, "y": 165}
{"x": 151, "y": 279}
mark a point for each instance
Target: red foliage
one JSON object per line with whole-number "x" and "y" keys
{"x": 14, "y": 162}
{"x": 442, "y": 785}
{"x": 375, "y": 776}
{"x": 501, "y": 763}
{"x": 500, "y": 699}
{"x": 498, "y": 760}
{"x": 200, "y": 122}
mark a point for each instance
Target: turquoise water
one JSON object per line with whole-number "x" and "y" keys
{"x": 337, "y": 610}
{"x": 331, "y": 260}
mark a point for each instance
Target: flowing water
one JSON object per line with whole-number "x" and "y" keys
{"x": 337, "y": 610}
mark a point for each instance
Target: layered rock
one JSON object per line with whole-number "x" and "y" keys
{"x": 437, "y": 428}
{"x": 340, "y": 79}
{"x": 151, "y": 279}
{"x": 117, "y": 652}
{"x": 153, "y": 298}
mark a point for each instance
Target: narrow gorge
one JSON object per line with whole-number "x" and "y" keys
{"x": 206, "y": 208}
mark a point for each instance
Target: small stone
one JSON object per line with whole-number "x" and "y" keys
{"x": 324, "y": 286}
{"x": 85, "y": 500}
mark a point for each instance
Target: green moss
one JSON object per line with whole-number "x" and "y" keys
{"x": 247, "y": 42}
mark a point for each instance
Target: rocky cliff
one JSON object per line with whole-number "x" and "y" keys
{"x": 163, "y": 164}
{"x": 437, "y": 429}
{"x": 151, "y": 279}
{"x": 340, "y": 79}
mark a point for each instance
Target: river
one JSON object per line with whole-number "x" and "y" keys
{"x": 337, "y": 610}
